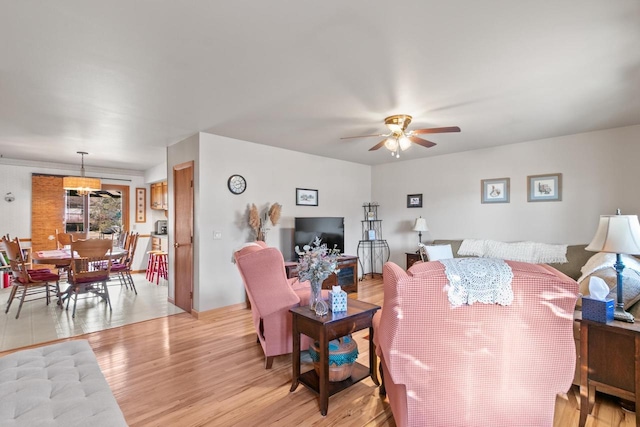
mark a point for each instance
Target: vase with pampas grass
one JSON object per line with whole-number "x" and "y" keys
{"x": 258, "y": 222}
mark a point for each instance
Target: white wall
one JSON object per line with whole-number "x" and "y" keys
{"x": 600, "y": 174}
{"x": 157, "y": 173}
{"x": 15, "y": 217}
{"x": 272, "y": 175}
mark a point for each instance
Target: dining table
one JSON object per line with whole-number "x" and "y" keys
{"x": 61, "y": 258}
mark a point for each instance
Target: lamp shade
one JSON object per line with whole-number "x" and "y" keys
{"x": 404, "y": 142}
{"x": 420, "y": 225}
{"x": 82, "y": 184}
{"x": 618, "y": 234}
{"x": 391, "y": 143}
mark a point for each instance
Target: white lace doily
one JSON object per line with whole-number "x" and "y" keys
{"x": 485, "y": 280}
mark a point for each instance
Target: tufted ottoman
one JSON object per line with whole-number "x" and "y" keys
{"x": 56, "y": 385}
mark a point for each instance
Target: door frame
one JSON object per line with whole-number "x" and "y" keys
{"x": 180, "y": 216}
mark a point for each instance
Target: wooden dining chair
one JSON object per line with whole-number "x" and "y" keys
{"x": 122, "y": 267}
{"x": 90, "y": 270}
{"x": 123, "y": 239}
{"x": 63, "y": 240}
{"x": 27, "y": 282}
{"x": 79, "y": 235}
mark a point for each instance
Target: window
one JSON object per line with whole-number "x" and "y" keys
{"x": 74, "y": 209}
{"x": 101, "y": 213}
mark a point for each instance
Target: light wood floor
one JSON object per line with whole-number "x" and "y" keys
{"x": 178, "y": 371}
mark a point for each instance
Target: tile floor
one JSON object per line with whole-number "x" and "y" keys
{"x": 40, "y": 323}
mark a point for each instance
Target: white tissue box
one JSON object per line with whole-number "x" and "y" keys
{"x": 597, "y": 310}
{"x": 338, "y": 301}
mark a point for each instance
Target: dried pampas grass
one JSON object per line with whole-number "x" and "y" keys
{"x": 274, "y": 213}
{"x": 254, "y": 218}
{"x": 258, "y": 222}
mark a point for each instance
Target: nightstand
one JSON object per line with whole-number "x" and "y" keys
{"x": 412, "y": 258}
{"x": 609, "y": 362}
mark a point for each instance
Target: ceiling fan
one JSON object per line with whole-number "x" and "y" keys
{"x": 397, "y": 139}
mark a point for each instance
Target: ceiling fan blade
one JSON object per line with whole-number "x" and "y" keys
{"x": 437, "y": 130}
{"x": 364, "y": 136}
{"x": 420, "y": 141}
{"x": 378, "y": 145}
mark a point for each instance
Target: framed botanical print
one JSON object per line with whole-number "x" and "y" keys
{"x": 494, "y": 190}
{"x": 544, "y": 188}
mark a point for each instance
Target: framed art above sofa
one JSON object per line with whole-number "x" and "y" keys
{"x": 544, "y": 188}
{"x": 495, "y": 190}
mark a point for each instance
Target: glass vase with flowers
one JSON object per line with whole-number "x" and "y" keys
{"x": 316, "y": 262}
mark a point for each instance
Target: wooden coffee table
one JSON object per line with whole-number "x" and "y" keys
{"x": 323, "y": 329}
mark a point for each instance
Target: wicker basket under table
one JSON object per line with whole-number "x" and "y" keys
{"x": 343, "y": 353}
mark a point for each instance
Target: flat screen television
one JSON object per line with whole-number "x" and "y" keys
{"x": 329, "y": 229}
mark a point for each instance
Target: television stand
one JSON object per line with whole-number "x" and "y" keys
{"x": 347, "y": 277}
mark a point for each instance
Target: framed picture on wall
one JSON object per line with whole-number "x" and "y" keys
{"x": 141, "y": 205}
{"x": 544, "y": 188}
{"x": 414, "y": 200}
{"x": 306, "y": 197}
{"x": 494, "y": 190}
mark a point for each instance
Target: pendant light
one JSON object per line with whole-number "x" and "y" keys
{"x": 81, "y": 184}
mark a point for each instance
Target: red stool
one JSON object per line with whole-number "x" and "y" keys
{"x": 162, "y": 266}
{"x": 152, "y": 264}
{"x": 157, "y": 266}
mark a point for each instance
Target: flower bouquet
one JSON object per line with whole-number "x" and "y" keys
{"x": 316, "y": 262}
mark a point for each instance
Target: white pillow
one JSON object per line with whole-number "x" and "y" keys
{"x": 436, "y": 252}
{"x": 603, "y": 260}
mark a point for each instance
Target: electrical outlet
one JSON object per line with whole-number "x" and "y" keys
{"x": 217, "y": 235}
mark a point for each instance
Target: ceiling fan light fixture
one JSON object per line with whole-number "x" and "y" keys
{"x": 399, "y": 139}
{"x": 82, "y": 184}
{"x": 404, "y": 142}
{"x": 391, "y": 143}
{"x": 394, "y": 128}
{"x": 398, "y": 123}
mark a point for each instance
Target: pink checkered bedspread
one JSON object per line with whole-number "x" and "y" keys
{"x": 479, "y": 365}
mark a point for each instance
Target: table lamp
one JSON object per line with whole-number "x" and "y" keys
{"x": 420, "y": 226}
{"x": 618, "y": 234}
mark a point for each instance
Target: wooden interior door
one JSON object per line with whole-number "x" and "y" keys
{"x": 183, "y": 235}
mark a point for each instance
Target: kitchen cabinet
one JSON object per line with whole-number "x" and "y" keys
{"x": 159, "y": 196}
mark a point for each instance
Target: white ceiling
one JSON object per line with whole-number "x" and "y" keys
{"x": 123, "y": 79}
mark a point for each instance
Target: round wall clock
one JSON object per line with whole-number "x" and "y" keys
{"x": 237, "y": 184}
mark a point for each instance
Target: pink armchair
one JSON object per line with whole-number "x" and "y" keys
{"x": 477, "y": 365}
{"x": 272, "y": 295}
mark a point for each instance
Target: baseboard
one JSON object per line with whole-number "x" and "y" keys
{"x": 217, "y": 313}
